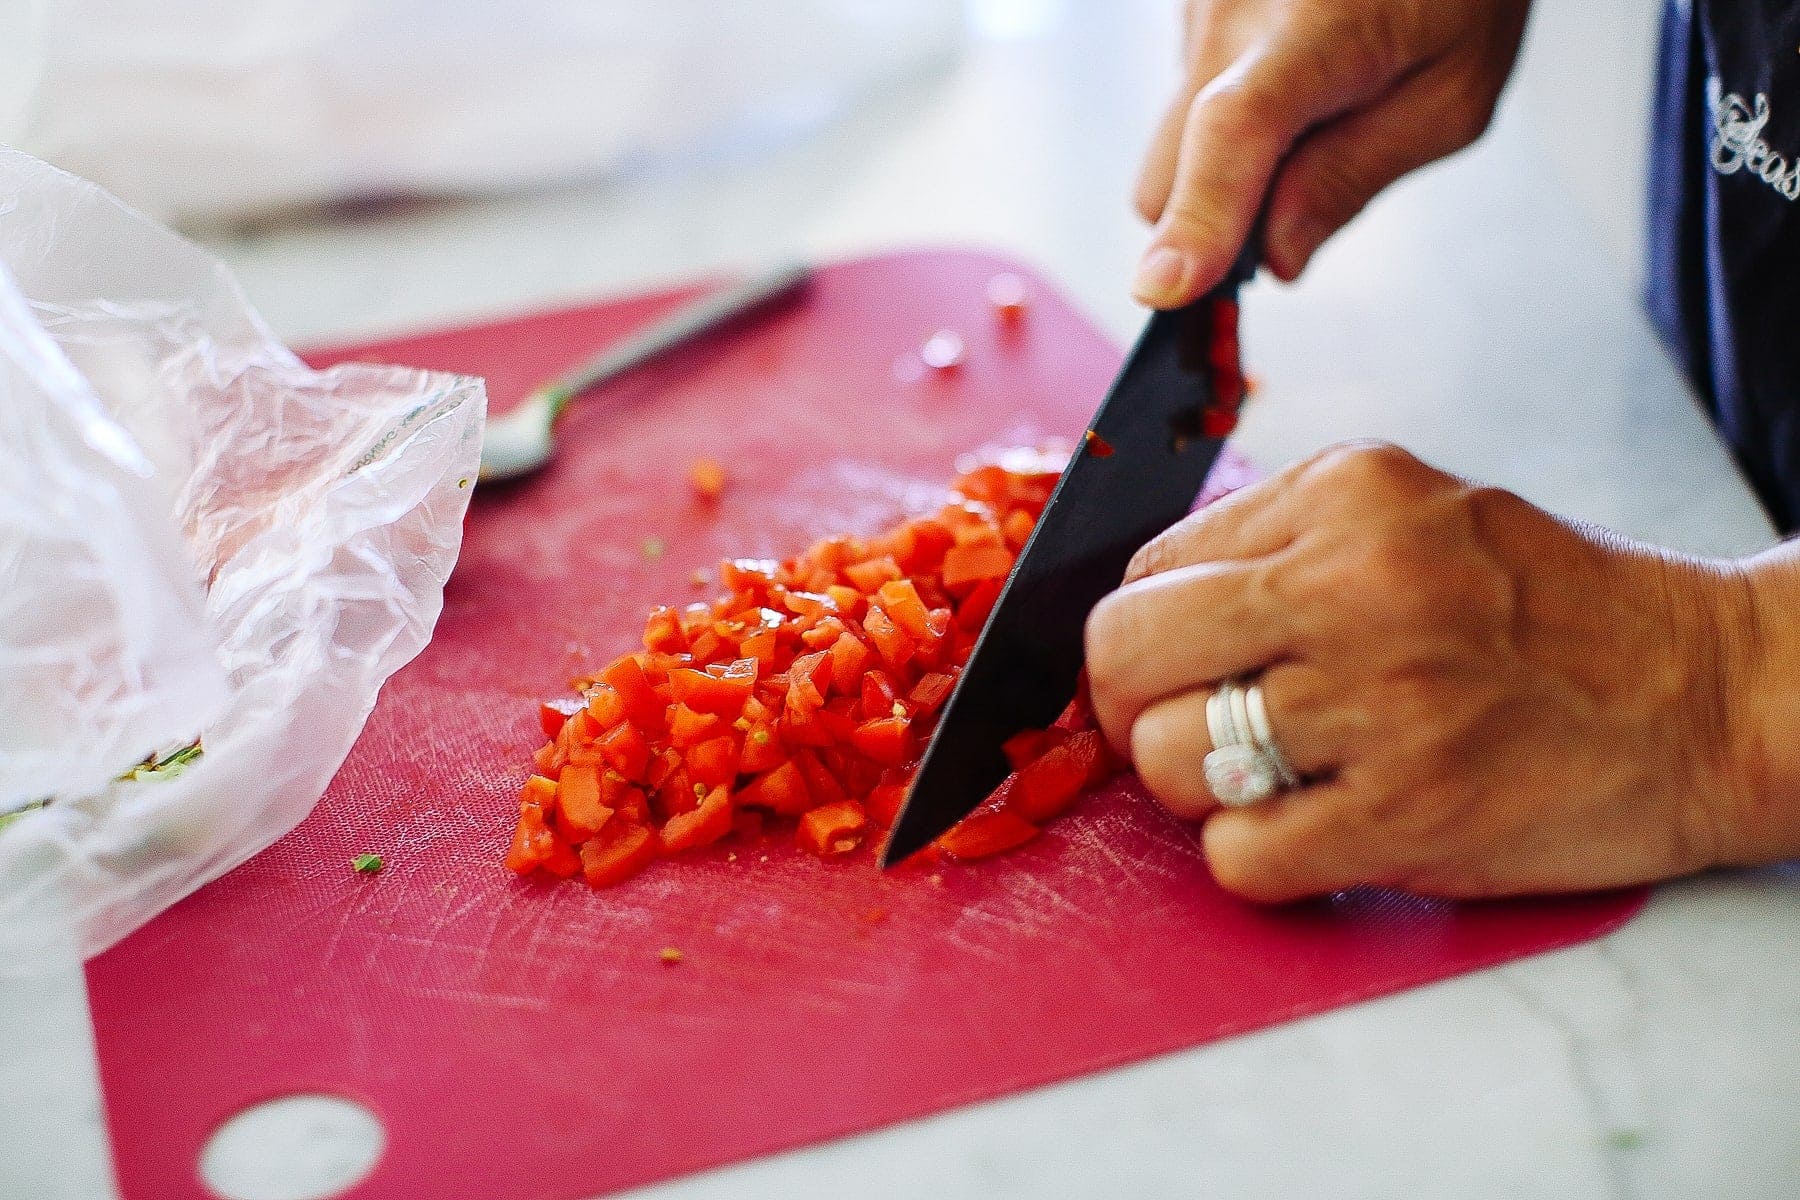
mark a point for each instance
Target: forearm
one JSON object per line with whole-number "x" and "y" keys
{"x": 1771, "y": 716}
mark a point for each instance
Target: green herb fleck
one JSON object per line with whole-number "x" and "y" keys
{"x": 653, "y": 548}
{"x": 8, "y": 818}
{"x": 166, "y": 766}
{"x": 463, "y": 482}
{"x": 1625, "y": 1139}
{"x": 366, "y": 864}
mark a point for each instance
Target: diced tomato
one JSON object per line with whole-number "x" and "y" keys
{"x": 1027, "y": 745}
{"x": 782, "y": 790}
{"x": 532, "y": 840}
{"x": 988, "y": 483}
{"x": 626, "y": 750}
{"x": 930, "y": 692}
{"x": 824, "y": 787}
{"x": 891, "y": 642}
{"x": 579, "y": 811}
{"x": 641, "y": 702}
{"x": 878, "y": 695}
{"x": 759, "y": 646}
{"x": 618, "y": 794}
{"x": 805, "y": 728}
{"x": 762, "y": 751}
{"x": 1088, "y": 749}
{"x": 714, "y": 762}
{"x": 900, "y": 600}
{"x": 967, "y": 565}
{"x": 822, "y": 635}
{"x": 707, "y": 478}
{"x": 690, "y": 728}
{"x": 1017, "y": 528}
{"x": 707, "y": 646}
{"x": 563, "y": 861}
{"x": 809, "y": 605}
{"x": 833, "y": 829}
{"x": 814, "y": 671}
{"x": 987, "y": 832}
{"x": 620, "y": 851}
{"x": 663, "y": 632}
{"x": 814, "y": 680}
{"x": 883, "y": 804}
{"x": 705, "y": 824}
{"x": 606, "y": 706}
{"x": 978, "y": 605}
{"x": 1048, "y": 785}
{"x": 553, "y": 713}
{"x": 849, "y": 656}
{"x": 723, "y": 694}
{"x": 754, "y": 575}
{"x": 661, "y": 767}
{"x": 544, "y": 758}
{"x": 539, "y": 791}
{"x": 871, "y": 574}
{"x": 858, "y": 774}
{"x": 887, "y": 740}
{"x": 928, "y": 540}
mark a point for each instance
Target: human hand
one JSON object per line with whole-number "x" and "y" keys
{"x": 1331, "y": 100}
{"x": 1483, "y": 700}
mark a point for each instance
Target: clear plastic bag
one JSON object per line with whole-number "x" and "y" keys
{"x": 200, "y": 538}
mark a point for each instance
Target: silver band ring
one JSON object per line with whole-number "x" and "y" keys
{"x": 1257, "y": 713}
{"x": 1218, "y": 719}
{"x": 1238, "y": 771}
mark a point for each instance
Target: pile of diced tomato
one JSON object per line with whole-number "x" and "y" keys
{"x": 805, "y": 693}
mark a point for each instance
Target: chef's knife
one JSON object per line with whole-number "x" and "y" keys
{"x": 1163, "y": 422}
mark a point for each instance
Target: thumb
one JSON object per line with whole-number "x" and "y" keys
{"x": 1238, "y": 129}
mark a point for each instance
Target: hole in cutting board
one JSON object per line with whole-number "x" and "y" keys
{"x": 300, "y": 1147}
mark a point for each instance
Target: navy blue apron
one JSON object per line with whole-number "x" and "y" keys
{"x": 1725, "y": 227}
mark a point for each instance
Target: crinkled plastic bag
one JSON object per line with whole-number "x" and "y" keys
{"x": 200, "y": 538}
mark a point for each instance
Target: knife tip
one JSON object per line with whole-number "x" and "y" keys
{"x": 900, "y": 845}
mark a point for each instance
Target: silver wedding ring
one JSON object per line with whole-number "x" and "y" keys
{"x": 1245, "y": 766}
{"x": 1257, "y": 714}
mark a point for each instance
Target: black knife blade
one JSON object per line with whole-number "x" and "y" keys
{"x": 1027, "y": 663}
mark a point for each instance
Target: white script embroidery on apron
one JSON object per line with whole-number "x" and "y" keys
{"x": 1738, "y": 144}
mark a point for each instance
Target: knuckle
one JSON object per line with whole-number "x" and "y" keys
{"x": 1192, "y": 219}
{"x": 1335, "y": 188}
{"x": 1237, "y": 105}
{"x": 1375, "y": 464}
{"x": 1468, "y": 113}
{"x": 1161, "y": 751}
{"x": 1153, "y": 557}
{"x": 1249, "y": 877}
{"x": 1235, "y": 870}
{"x": 1386, "y": 37}
{"x": 1111, "y": 640}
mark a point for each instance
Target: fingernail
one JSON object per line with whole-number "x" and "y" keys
{"x": 1160, "y": 277}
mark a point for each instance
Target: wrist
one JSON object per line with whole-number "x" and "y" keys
{"x": 1764, "y": 712}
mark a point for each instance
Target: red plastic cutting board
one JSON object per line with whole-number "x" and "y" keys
{"x": 525, "y": 1041}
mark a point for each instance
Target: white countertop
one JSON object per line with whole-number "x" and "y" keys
{"x": 1481, "y": 317}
